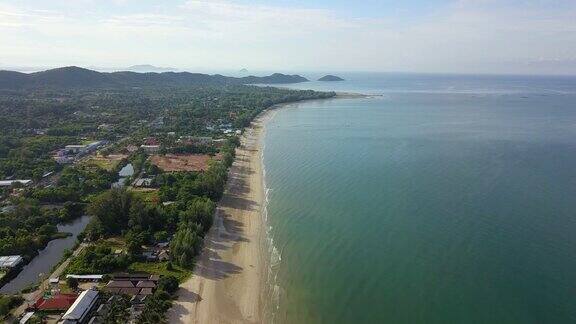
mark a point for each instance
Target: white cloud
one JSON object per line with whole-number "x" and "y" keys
{"x": 465, "y": 36}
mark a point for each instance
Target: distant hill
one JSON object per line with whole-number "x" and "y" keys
{"x": 75, "y": 77}
{"x": 273, "y": 79}
{"x": 243, "y": 71}
{"x": 149, "y": 68}
{"x": 330, "y": 78}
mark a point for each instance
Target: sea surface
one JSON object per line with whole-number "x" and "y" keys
{"x": 445, "y": 199}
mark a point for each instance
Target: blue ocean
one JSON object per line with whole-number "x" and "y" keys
{"x": 439, "y": 199}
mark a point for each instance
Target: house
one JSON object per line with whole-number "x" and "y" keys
{"x": 146, "y": 284}
{"x": 150, "y": 255}
{"x": 7, "y": 209}
{"x": 163, "y": 256}
{"x": 150, "y": 148}
{"x": 86, "y": 278}
{"x": 95, "y": 145}
{"x": 74, "y": 149}
{"x": 10, "y": 261}
{"x": 79, "y": 311}
{"x": 219, "y": 142}
{"x": 27, "y": 316}
{"x": 81, "y": 149}
{"x": 10, "y": 183}
{"x": 63, "y": 159}
{"x": 104, "y": 127}
{"x": 159, "y": 252}
{"x": 58, "y": 302}
{"x": 143, "y": 182}
{"x": 132, "y": 284}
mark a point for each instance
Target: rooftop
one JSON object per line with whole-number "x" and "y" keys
{"x": 120, "y": 284}
{"x": 81, "y": 306}
{"x": 8, "y": 183}
{"x": 146, "y": 284}
{"x": 85, "y": 277}
{"x": 56, "y": 302}
{"x": 10, "y": 261}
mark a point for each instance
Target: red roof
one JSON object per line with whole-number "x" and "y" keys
{"x": 56, "y": 302}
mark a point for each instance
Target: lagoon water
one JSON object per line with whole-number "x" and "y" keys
{"x": 448, "y": 199}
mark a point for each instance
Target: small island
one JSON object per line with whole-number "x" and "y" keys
{"x": 330, "y": 78}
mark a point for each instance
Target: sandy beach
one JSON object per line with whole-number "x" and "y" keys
{"x": 226, "y": 283}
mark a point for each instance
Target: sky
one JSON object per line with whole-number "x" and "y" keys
{"x": 450, "y": 36}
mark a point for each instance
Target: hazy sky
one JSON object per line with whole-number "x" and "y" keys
{"x": 494, "y": 36}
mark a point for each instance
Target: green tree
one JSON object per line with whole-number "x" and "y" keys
{"x": 72, "y": 283}
{"x": 185, "y": 244}
{"x": 112, "y": 209}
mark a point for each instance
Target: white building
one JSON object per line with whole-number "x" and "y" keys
{"x": 73, "y": 149}
{"x": 9, "y": 183}
{"x": 79, "y": 311}
{"x": 150, "y": 148}
{"x": 10, "y": 261}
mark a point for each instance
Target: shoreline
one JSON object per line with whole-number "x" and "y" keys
{"x": 230, "y": 277}
{"x": 227, "y": 280}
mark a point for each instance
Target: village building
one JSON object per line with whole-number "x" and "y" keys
{"x": 143, "y": 182}
{"x": 58, "y": 302}
{"x": 86, "y": 278}
{"x": 150, "y": 148}
{"x": 10, "y": 183}
{"x": 140, "y": 285}
{"x": 80, "y": 311}
{"x": 10, "y": 261}
{"x": 74, "y": 149}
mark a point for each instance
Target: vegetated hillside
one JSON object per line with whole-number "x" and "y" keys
{"x": 330, "y": 78}
{"x": 75, "y": 77}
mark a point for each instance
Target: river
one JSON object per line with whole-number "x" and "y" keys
{"x": 42, "y": 264}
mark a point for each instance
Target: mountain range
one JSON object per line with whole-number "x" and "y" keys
{"x": 76, "y": 77}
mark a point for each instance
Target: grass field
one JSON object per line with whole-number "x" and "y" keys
{"x": 148, "y": 195}
{"x": 159, "y": 268}
{"x": 109, "y": 162}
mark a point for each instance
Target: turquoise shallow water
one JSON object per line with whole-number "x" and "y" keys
{"x": 444, "y": 201}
